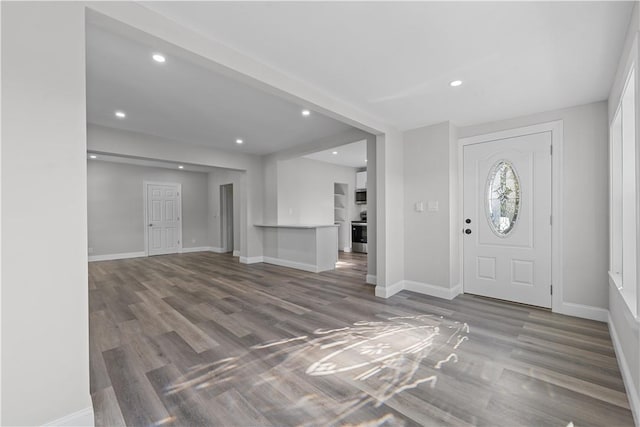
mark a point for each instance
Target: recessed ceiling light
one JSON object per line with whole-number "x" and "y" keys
{"x": 306, "y": 113}
{"x": 365, "y": 160}
{"x": 239, "y": 141}
{"x": 93, "y": 156}
{"x": 159, "y": 58}
{"x": 180, "y": 167}
{"x": 120, "y": 114}
{"x": 334, "y": 153}
{"x": 455, "y": 83}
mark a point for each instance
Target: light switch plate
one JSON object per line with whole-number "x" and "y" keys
{"x": 419, "y": 206}
{"x": 433, "y": 206}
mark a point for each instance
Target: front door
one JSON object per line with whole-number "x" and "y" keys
{"x": 164, "y": 229}
{"x": 507, "y": 219}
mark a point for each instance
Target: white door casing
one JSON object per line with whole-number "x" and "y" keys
{"x": 515, "y": 266}
{"x": 163, "y": 218}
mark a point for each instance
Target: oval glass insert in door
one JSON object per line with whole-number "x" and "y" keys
{"x": 503, "y": 198}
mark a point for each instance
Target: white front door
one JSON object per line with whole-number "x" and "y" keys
{"x": 507, "y": 219}
{"x": 164, "y": 230}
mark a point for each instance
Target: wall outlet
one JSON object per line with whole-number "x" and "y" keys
{"x": 193, "y": 240}
{"x": 90, "y": 250}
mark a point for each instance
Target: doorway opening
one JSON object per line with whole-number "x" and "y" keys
{"x": 226, "y": 217}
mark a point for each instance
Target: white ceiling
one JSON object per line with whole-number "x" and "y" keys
{"x": 353, "y": 155}
{"x": 187, "y": 102}
{"x": 394, "y": 60}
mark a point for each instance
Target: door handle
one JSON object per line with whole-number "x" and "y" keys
{"x": 150, "y": 225}
{"x": 467, "y": 231}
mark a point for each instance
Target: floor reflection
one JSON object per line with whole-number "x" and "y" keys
{"x": 369, "y": 362}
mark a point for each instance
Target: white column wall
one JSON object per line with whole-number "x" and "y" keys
{"x": 390, "y": 213}
{"x": 372, "y": 216}
{"x": 45, "y": 337}
{"x": 429, "y": 176}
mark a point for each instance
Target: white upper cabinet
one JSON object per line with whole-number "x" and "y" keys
{"x": 361, "y": 180}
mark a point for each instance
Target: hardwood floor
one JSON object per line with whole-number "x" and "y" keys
{"x": 199, "y": 339}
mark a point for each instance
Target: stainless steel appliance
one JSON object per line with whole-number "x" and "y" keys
{"x": 361, "y": 197}
{"x": 359, "y": 236}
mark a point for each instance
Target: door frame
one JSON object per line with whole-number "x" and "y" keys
{"x": 556, "y": 128}
{"x": 145, "y": 185}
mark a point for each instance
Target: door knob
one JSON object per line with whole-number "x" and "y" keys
{"x": 150, "y": 225}
{"x": 468, "y": 221}
{"x": 467, "y": 231}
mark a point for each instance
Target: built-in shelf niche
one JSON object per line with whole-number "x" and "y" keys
{"x": 341, "y": 215}
{"x": 340, "y": 202}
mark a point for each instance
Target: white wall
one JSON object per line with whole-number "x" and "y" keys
{"x": 272, "y": 161}
{"x": 270, "y": 189}
{"x": 45, "y": 337}
{"x": 106, "y": 140}
{"x": 216, "y": 179}
{"x": 305, "y": 191}
{"x": 430, "y": 168}
{"x": 116, "y": 206}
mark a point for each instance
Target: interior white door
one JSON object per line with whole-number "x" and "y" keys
{"x": 507, "y": 215}
{"x": 164, "y": 230}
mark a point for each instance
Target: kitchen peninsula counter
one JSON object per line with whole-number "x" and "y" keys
{"x": 308, "y": 247}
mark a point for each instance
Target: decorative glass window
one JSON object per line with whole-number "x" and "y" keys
{"x": 503, "y": 198}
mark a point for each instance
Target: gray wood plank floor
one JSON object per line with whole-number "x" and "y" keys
{"x": 199, "y": 339}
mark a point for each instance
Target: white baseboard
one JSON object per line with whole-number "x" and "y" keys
{"x": 80, "y": 418}
{"x": 583, "y": 311}
{"x": 291, "y": 264}
{"x": 457, "y": 290}
{"x": 236, "y": 252}
{"x": 251, "y": 259}
{"x": 632, "y": 392}
{"x": 111, "y": 257}
{"x": 196, "y": 249}
{"x": 432, "y": 290}
{"x": 387, "y": 291}
{"x": 125, "y": 255}
{"x": 419, "y": 287}
{"x": 372, "y": 279}
{"x": 282, "y": 263}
